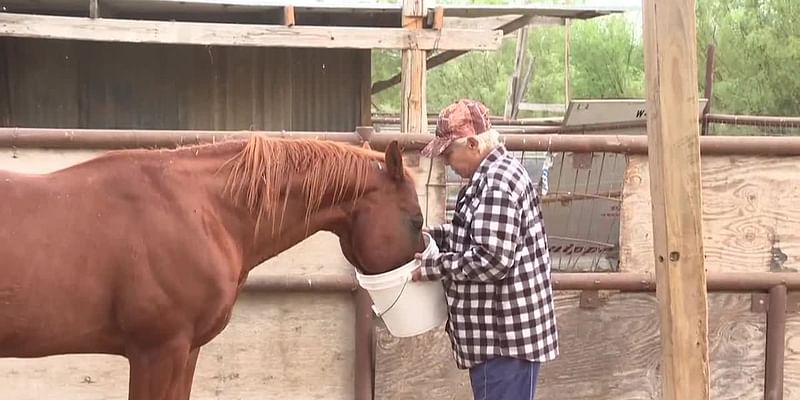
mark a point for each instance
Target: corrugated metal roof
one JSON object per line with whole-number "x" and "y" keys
{"x": 300, "y": 6}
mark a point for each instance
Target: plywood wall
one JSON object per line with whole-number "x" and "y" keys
{"x": 751, "y": 222}
{"x": 751, "y": 218}
{"x": 609, "y": 353}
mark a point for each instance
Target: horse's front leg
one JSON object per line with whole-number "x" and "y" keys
{"x": 188, "y": 375}
{"x": 159, "y": 372}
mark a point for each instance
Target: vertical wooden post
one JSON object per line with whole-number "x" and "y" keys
{"x": 513, "y": 97}
{"x": 438, "y": 18}
{"x": 413, "y": 108}
{"x": 708, "y": 90}
{"x": 288, "y": 15}
{"x": 94, "y": 10}
{"x": 674, "y": 160}
{"x": 365, "y": 324}
{"x": 364, "y": 347}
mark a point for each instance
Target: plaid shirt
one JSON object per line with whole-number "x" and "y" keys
{"x": 495, "y": 268}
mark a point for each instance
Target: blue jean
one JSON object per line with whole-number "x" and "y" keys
{"x": 504, "y": 378}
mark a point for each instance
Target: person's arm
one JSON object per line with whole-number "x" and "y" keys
{"x": 441, "y": 235}
{"x": 495, "y": 229}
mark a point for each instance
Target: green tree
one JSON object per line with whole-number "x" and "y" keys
{"x": 757, "y": 61}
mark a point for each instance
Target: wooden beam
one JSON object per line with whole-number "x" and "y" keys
{"x": 413, "y": 107}
{"x": 93, "y": 9}
{"x": 225, "y": 34}
{"x": 438, "y": 18}
{"x": 708, "y": 90}
{"x": 288, "y": 15}
{"x": 364, "y": 63}
{"x": 446, "y": 56}
{"x": 495, "y": 22}
{"x": 513, "y": 97}
{"x": 674, "y": 159}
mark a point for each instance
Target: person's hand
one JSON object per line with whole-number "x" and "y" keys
{"x": 416, "y": 276}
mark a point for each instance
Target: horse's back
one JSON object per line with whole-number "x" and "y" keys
{"x": 106, "y": 250}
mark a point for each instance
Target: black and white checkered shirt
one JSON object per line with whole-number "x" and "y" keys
{"x": 495, "y": 268}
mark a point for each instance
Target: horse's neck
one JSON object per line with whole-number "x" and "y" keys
{"x": 290, "y": 223}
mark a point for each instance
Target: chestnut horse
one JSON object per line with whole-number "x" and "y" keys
{"x": 142, "y": 253}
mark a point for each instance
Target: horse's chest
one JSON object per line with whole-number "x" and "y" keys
{"x": 213, "y": 326}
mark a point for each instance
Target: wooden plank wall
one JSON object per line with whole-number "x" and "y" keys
{"x": 613, "y": 352}
{"x": 71, "y": 84}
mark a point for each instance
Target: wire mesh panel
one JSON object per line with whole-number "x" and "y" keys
{"x": 753, "y": 126}
{"x": 581, "y": 204}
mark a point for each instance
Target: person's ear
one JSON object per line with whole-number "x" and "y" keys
{"x": 472, "y": 143}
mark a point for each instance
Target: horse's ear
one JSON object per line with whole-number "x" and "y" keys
{"x": 394, "y": 161}
{"x": 366, "y": 145}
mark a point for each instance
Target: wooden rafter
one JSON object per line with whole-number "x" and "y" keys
{"x": 446, "y": 56}
{"x": 225, "y": 34}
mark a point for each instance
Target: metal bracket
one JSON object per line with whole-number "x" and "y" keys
{"x": 589, "y": 299}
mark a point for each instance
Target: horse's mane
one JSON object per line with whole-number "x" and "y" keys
{"x": 261, "y": 174}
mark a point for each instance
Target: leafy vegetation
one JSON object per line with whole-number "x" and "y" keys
{"x": 757, "y": 61}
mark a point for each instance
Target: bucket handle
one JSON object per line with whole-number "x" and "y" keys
{"x": 382, "y": 313}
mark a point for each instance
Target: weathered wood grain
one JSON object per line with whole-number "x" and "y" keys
{"x": 608, "y": 353}
{"x": 750, "y": 214}
{"x": 220, "y": 34}
{"x": 282, "y": 347}
{"x": 673, "y": 132}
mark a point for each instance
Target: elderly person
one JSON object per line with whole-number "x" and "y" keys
{"x": 493, "y": 260}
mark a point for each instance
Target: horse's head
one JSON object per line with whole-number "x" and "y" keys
{"x": 385, "y": 228}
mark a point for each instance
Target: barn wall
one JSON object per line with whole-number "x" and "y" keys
{"x": 73, "y": 84}
{"x": 292, "y": 346}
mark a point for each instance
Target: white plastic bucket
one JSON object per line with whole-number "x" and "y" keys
{"x": 407, "y": 308}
